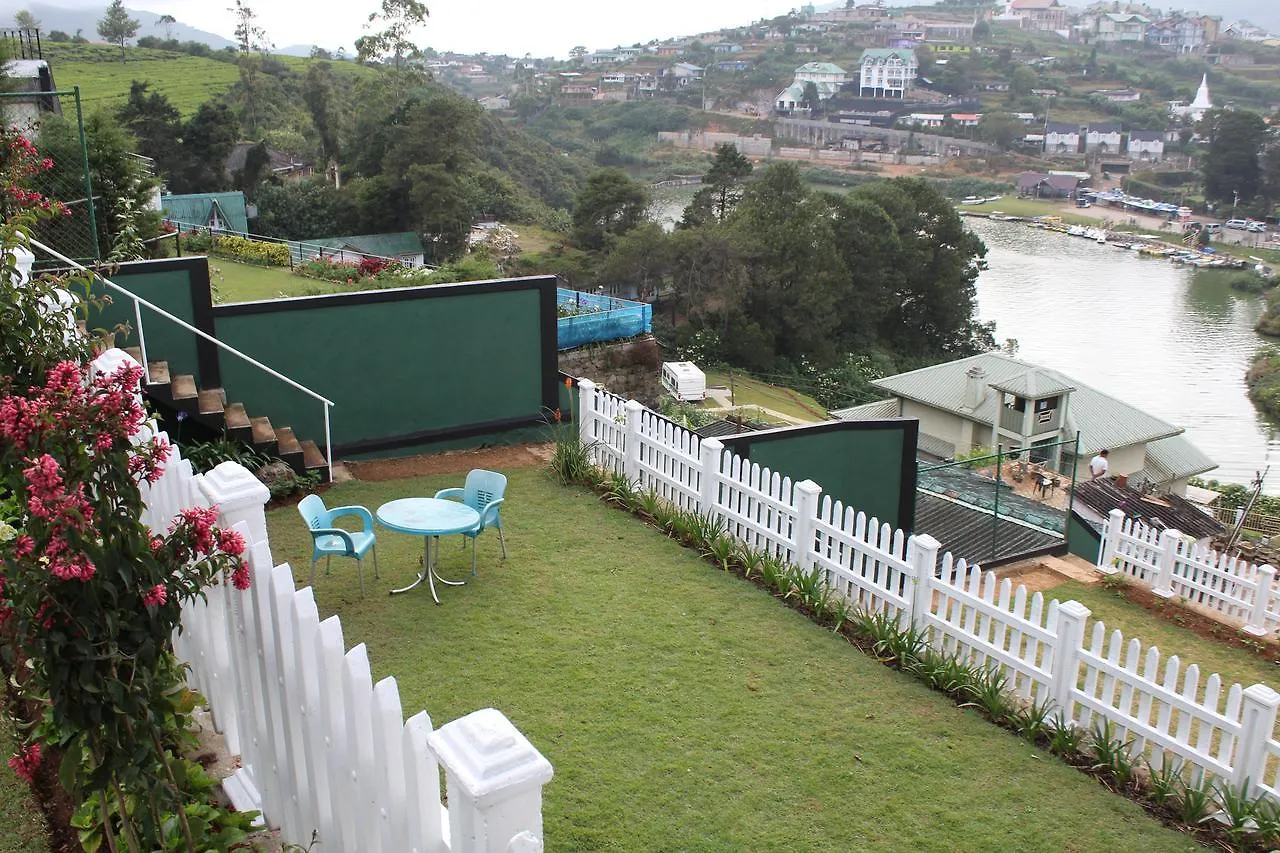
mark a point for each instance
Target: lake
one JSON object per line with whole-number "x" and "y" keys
{"x": 1140, "y": 329}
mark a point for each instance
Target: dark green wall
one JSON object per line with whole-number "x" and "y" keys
{"x": 175, "y": 286}
{"x": 409, "y": 366}
{"x": 1082, "y": 540}
{"x": 869, "y": 465}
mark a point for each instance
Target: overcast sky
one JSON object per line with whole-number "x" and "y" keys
{"x": 514, "y": 27}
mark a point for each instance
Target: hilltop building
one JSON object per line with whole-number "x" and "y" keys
{"x": 887, "y": 72}
{"x": 826, "y": 77}
{"x": 1041, "y": 15}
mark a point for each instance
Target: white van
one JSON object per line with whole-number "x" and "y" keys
{"x": 684, "y": 381}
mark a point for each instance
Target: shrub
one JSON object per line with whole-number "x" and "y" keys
{"x": 251, "y": 251}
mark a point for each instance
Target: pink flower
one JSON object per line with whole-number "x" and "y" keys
{"x": 201, "y": 521}
{"x": 23, "y": 546}
{"x": 240, "y": 577}
{"x": 230, "y": 542}
{"x": 26, "y": 762}
{"x": 157, "y": 543}
{"x": 156, "y": 596}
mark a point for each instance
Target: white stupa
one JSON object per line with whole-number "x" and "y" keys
{"x": 1197, "y": 108}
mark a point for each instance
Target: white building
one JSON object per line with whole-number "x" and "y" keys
{"x": 1061, "y": 138}
{"x": 826, "y": 77}
{"x": 820, "y": 72}
{"x": 1146, "y": 145}
{"x": 887, "y": 72}
{"x": 1103, "y": 138}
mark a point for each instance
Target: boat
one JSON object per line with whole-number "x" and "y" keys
{"x": 973, "y": 199}
{"x": 1076, "y": 231}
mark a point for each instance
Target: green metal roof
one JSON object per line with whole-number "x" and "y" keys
{"x": 198, "y": 208}
{"x": 382, "y": 245}
{"x": 905, "y": 54}
{"x": 821, "y": 68}
{"x": 1103, "y": 421}
{"x": 1175, "y": 458}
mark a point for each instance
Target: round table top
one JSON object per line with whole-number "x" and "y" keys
{"x": 427, "y": 516}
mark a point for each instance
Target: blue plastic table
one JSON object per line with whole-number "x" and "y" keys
{"x": 429, "y": 518}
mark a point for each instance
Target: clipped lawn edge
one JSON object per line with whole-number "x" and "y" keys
{"x": 1207, "y": 831}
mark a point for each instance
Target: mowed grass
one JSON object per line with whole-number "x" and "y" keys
{"x": 1014, "y": 206}
{"x": 753, "y": 392}
{"x": 685, "y": 709}
{"x": 22, "y": 827}
{"x": 239, "y": 282}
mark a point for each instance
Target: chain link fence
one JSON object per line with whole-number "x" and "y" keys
{"x": 75, "y": 235}
{"x": 997, "y": 506}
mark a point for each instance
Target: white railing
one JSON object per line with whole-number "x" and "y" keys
{"x": 139, "y": 302}
{"x": 1231, "y": 588}
{"x": 322, "y": 747}
{"x": 1046, "y": 649}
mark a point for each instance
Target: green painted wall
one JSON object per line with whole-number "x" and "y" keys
{"x": 393, "y": 368}
{"x": 1082, "y": 540}
{"x": 169, "y": 289}
{"x": 862, "y": 468}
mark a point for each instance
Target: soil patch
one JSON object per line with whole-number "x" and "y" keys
{"x": 451, "y": 462}
{"x": 1267, "y": 648}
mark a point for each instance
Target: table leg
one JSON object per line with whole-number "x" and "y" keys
{"x": 425, "y": 574}
{"x": 436, "y": 575}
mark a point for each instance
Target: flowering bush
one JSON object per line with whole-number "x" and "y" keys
{"x": 89, "y": 596}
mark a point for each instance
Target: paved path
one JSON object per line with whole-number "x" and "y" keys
{"x": 723, "y": 405}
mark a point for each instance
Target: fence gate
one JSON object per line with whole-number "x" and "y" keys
{"x": 75, "y": 235}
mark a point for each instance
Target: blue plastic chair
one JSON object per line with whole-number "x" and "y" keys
{"x": 329, "y": 541}
{"x": 483, "y": 492}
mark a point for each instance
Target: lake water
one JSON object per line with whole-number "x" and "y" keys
{"x": 1139, "y": 329}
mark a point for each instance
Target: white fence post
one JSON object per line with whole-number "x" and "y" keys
{"x": 709, "y": 478}
{"x": 494, "y": 780}
{"x": 239, "y": 496}
{"x": 1110, "y": 536}
{"x": 586, "y": 410}
{"x": 631, "y": 459}
{"x": 1264, "y": 581}
{"x": 807, "y": 493}
{"x": 1162, "y": 583}
{"x": 1257, "y": 721}
{"x": 1066, "y": 654}
{"x": 922, "y": 552}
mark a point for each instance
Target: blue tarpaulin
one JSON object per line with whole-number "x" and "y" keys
{"x": 598, "y": 318}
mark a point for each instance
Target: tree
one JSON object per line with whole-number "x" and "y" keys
{"x": 577, "y": 54}
{"x": 317, "y": 92}
{"x": 207, "y": 141}
{"x": 441, "y": 208}
{"x": 982, "y": 31}
{"x": 811, "y": 99}
{"x": 1000, "y": 129}
{"x": 117, "y": 27}
{"x": 397, "y": 19}
{"x": 253, "y": 42}
{"x": 168, "y": 22}
{"x": 24, "y": 20}
{"x": 728, "y": 170}
{"x": 300, "y": 210}
{"x": 157, "y": 126}
{"x": 637, "y": 263}
{"x": 609, "y": 205}
{"x": 1231, "y": 162}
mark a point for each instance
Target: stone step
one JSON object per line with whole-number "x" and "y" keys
{"x": 289, "y": 450}
{"x": 212, "y": 401}
{"x": 314, "y": 459}
{"x": 236, "y": 417}
{"x": 158, "y": 373}
{"x": 263, "y": 434}
{"x": 183, "y": 387}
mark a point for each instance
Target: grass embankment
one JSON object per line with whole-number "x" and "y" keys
{"x": 22, "y": 828}
{"x": 751, "y": 392}
{"x": 1164, "y": 632}
{"x": 683, "y": 707}
{"x": 1029, "y": 207}
{"x": 187, "y": 81}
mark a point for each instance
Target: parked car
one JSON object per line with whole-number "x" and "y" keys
{"x": 1213, "y": 227}
{"x": 1238, "y": 224}
{"x": 1256, "y": 227}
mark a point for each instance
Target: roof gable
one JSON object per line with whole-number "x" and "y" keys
{"x": 1103, "y": 421}
{"x": 197, "y": 208}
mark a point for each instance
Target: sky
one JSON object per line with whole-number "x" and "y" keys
{"x": 513, "y": 27}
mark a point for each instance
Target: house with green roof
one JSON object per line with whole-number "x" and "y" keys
{"x": 887, "y": 72}
{"x": 403, "y": 246}
{"x": 827, "y": 78}
{"x": 992, "y": 399}
{"x": 219, "y": 211}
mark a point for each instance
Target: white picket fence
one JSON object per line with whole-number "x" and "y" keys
{"x": 1168, "y": 710}
{"x": 322, "y": 747}
{"x": 1174, "y": 566}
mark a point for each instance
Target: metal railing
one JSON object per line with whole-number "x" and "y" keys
{"x": 139, "y": 302}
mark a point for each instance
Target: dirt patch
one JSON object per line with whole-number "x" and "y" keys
{"x": 1267, "y": 648}
{"x": 451, "y": 462}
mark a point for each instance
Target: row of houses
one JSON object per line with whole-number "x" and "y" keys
{"x": 1103, "y": 139}
{"x": 957, "y": 119}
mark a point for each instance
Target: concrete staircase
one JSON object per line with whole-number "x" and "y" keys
{"x": 209, "y": 407}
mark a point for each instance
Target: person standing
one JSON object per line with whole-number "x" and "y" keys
{"x": 1098, "y": 466}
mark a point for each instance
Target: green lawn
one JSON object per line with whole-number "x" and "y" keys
{"x": 683, "y": 708}
{"x": 753, "y": 392}
{"x": 1014, "y": 206}
{"x": 1163, "y": 631}
{"x": 21, "y": 823}
{"x": 237, "y": 282}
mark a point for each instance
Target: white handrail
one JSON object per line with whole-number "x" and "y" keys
{"x": 138, "y": 302}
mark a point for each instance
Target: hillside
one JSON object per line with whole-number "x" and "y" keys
{"x": 55, "y": 17}
{"x": 187, "y": 81}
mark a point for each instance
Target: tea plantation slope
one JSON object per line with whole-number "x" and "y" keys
{"x": 685, "y": 709}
